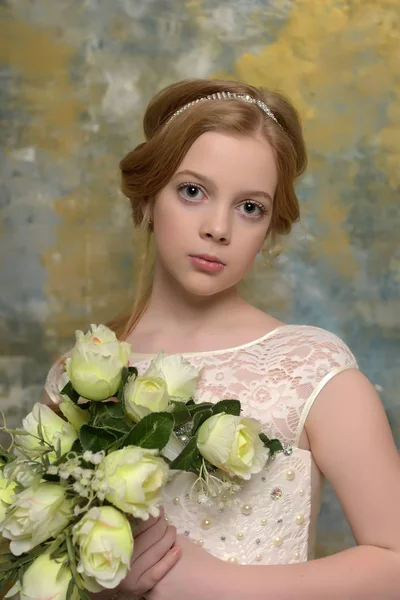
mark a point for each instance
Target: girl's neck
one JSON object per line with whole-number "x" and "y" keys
{"x": 178, "y": 309}
{"x": 176, "y": 322}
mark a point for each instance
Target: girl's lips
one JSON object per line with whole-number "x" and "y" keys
{"x": 210, "y": 264}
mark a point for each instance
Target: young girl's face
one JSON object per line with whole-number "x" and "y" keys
{"x": 212, "y": 217}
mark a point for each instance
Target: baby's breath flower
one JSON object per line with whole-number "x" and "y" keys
{"x": 87, "y": 473}
{"x": 97, "y": 458}
{"x": 77, "y": 472}
{"x": 87, "y": 455}
{"x": 52, "y": 470}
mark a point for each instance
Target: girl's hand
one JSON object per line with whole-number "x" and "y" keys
{"x": 154, "y": 555}
{"x": 197, "y": 571}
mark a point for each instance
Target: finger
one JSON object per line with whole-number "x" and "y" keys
{"x": 154, "y": 553}
{"x": 158, "y": 537}
{"x": 158, "y": 571}
{"x": 144, "y": 525}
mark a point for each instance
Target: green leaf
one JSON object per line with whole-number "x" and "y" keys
{"x": 5, "y": 457}
{"x": 264, "y": 438}
{"x": 181, "y": 413}
{"x": 199, "y": 419}
{"x": 72, "y": 587}
{"x": 152, "y": 431}
{"x": 190, "y": 402}
{"x": 187, "y": 459}
{"x": 77, "y": 447}
{"x": 69, "y": 391}
{"x": 194, "y": 408}
{"x": 111, "y": 415}
{"x": 274, "y": 445}
{"x": 230, "y": 407}
{"x": 95, "y": 438}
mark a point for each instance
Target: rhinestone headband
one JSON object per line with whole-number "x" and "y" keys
{"x": 228, "y": 96}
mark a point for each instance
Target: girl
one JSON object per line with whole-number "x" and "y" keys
{"x": 213, "y": 186}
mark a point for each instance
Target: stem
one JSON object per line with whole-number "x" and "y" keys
{"x": 71, "y": 555}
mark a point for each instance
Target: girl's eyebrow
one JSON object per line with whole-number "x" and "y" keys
{"x": 209, "y": 183}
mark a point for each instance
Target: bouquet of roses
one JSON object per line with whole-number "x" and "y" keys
{"x": 70, "y": 485}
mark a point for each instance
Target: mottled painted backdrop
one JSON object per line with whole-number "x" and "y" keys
{"x": 75, "y": 78}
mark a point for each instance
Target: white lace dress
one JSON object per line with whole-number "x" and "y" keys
{"x": 277, "y": 378}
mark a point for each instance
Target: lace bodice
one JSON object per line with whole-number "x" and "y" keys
{"x": 277, "y": 378}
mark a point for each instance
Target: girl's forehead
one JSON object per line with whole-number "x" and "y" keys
{"x": 241, "y": 158}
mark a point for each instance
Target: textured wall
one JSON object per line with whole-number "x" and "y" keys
{"x": 75, "y": 77}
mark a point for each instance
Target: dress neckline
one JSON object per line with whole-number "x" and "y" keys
{"x": 142, "y": 356}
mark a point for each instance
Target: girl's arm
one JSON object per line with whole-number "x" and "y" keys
{"x": 353, "y": 446}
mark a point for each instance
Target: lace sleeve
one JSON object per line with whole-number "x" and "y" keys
{"x": 56, "y": 379}
{"x": 329, "y": 357}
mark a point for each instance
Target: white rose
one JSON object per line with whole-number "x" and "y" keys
{"x": 96, "y": 363}
{"x": 181, "y": 377}
{"x": 135, "y": 478}
{"x": 35, "y": 516}
{"x": 144, "y": 395}
{"x": 55, "y": 432}
{"x": 46, "y": 578}
{"x": 169, "y": 378}
{"x": 104, "y": 538}
{"x": 232, "y": 444}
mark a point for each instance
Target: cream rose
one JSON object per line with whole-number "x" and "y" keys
{"x": 35, "y": 516}
{"x": 46, "y": 578}
{"x": 144, "y": 395}
{"x": 96, "y": 363}
{"x": 135, "y": 478}
{"x": 169, "y": 378}
{"x": 232, "y": 444}
{"x": 105, "y": 542}
{"x": 180, "y": 376}
{"x": 56, "y": 433}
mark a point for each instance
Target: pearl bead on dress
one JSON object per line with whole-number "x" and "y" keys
{"x": 277, "y": 540}
{"x": 206, "y": 523}
{"x": 247, "y": 509}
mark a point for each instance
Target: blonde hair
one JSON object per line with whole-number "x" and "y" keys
{"x": 146, "y": 170}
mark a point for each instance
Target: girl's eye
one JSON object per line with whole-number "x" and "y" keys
{"x": 191, "y": 192}
{"x": 252, "y": 209}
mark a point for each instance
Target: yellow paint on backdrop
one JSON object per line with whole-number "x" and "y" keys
{"x": 337, "y": 61}
{"x": 45, "y": 91}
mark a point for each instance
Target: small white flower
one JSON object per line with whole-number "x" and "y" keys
{"x": 52, "y": 470}
{"x": 101, "y": 495}
{"x": 77, "y": 472}
{"x": 87, "y": 455}
{"x": 87, "y": 473}
{"x": 97, "y": 458}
